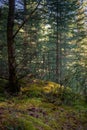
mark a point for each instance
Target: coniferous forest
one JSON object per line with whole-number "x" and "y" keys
{"x": 43, "y": 64}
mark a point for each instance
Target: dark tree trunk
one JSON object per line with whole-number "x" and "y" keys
{"x": 13, "y": 84}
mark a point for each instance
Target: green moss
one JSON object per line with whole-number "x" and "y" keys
{"x": 58, "y": 109}
{"x": 32, "y": 91}
{"x": 27, "y": 125}
{"x": 38, "y": 123}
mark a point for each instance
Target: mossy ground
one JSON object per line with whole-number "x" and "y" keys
{"x": 35, "y": 109}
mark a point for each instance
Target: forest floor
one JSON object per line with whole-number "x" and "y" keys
{"x": 40, "y": 107}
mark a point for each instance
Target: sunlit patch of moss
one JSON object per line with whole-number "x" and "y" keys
{"x": 53, "y": 92}
{"x": 49, "y": 87}
{"x": 40, "y": 86}
{"x": 36, "y": 89}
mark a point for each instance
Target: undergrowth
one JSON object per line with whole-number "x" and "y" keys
{"x": 42, "y": 105}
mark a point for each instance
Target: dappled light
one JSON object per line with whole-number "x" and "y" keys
{"x": 43, "y": 64}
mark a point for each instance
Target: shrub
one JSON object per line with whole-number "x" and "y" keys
{"x": 62, "y": 96}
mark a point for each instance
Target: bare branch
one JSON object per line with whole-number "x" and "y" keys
{"x": 26, "y": 19}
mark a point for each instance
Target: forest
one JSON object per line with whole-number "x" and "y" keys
{"x": 43, "y": 64}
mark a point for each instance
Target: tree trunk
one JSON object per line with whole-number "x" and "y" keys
{"x": 13, "y": 83}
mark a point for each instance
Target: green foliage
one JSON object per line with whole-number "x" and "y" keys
{"x": 69, "y": 97}
{"x": 63, "y": 96}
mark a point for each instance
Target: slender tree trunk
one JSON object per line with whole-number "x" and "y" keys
{"x": 13, "y": 84}
{"x": 58, "y": 46}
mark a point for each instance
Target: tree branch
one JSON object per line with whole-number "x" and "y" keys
{"x": 26, "y": 19}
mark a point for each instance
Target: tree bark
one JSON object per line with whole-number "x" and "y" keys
{"x": 13, "y": 84}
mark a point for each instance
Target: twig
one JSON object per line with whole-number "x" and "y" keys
{"x": 26, "y": 19}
